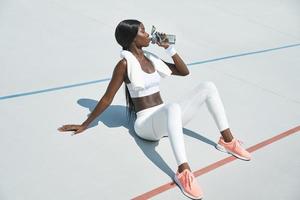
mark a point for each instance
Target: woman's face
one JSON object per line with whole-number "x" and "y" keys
{"x": 142, "y": 37}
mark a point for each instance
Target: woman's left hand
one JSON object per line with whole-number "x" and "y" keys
{"x": 73, "y": 127}
{"x": 165, "y": 42}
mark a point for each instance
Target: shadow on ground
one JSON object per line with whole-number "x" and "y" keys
{"x": 115, "y": 116}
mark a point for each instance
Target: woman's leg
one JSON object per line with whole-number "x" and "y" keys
{"x": 166, "y": 121}
{"x": 205, "y": 92}
{"x": 169, "y": 119}
{"x": 208, "y": 93}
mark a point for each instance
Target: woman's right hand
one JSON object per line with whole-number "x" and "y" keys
{"x": 72, "y": 127}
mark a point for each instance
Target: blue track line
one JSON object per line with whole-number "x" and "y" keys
{"x": 107, "y": 79}
{"x": 243, "y": 54}
{"x": 53, "y": 89}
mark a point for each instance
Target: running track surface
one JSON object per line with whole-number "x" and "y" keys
{"x": 217, "y": 164}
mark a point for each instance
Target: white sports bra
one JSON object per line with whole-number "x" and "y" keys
{"x": 151, "y": 85}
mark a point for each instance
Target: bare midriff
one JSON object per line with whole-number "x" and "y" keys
{"x": 141, "y": 103}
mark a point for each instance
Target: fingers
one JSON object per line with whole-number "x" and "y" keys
{"x": 61, "y": 129}
{"x": 69, "y": 127}
{"x": 72, "y": 127}
{"x": 164, "y": 37}
{"x": 77, "y": 131}
{"x": 163, "y": 42}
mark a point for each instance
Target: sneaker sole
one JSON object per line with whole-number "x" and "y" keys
{"x": 182, "y": 190}
{"x": 221, "y": 148}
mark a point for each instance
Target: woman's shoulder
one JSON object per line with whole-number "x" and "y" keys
{"x": 121, "y": 68}
{"x": 122, "y": 63}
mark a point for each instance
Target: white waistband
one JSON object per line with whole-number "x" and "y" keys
{"x": 149, "y": 110}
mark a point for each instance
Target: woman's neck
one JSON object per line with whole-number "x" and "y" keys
{"x": 136, "y": 51}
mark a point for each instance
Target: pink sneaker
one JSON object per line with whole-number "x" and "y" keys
{"x": 188, "y": 184}
{"x": 234, "y": 147}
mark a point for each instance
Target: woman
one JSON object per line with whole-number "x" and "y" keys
{"x": 141, "y": 72}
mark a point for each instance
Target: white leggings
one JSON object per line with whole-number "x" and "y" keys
{"x": 168, "y": 119}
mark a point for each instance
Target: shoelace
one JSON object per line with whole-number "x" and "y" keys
{"x": 238, "y": 143}
{"x": 188, "y": 179}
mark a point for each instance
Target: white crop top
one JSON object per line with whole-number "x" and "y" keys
{"x": 151, "y": 85}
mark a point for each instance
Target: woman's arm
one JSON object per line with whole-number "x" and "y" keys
{"x": 179, "y": 67}
{"x": 112, "y": 88}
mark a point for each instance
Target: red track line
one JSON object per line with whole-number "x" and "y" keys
{"x": 217, "y": 164}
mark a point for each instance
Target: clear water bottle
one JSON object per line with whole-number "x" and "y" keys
{"x": 159, "y": 37}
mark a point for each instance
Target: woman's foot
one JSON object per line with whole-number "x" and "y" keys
{"x": 188, "y": 184}
{"x": 234, "y": 147}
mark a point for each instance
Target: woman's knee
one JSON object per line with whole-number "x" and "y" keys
{"x": 210, "y": 85}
